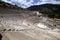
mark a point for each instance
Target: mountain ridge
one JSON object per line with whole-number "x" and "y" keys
{"x": 50, "y": 9}
{"x": 7, "y": 5}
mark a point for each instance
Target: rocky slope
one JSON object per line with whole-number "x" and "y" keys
{"x": 28, "y": 25}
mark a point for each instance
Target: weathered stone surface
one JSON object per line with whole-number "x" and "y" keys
{"x": 27, "y": 25}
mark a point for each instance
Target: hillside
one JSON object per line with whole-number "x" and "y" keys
{"x": 49, "y": 9}
{"x": 6, "y": 5}
{"x": 28, "y": 25}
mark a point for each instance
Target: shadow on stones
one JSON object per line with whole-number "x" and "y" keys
{"x": 0, "y": 37}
